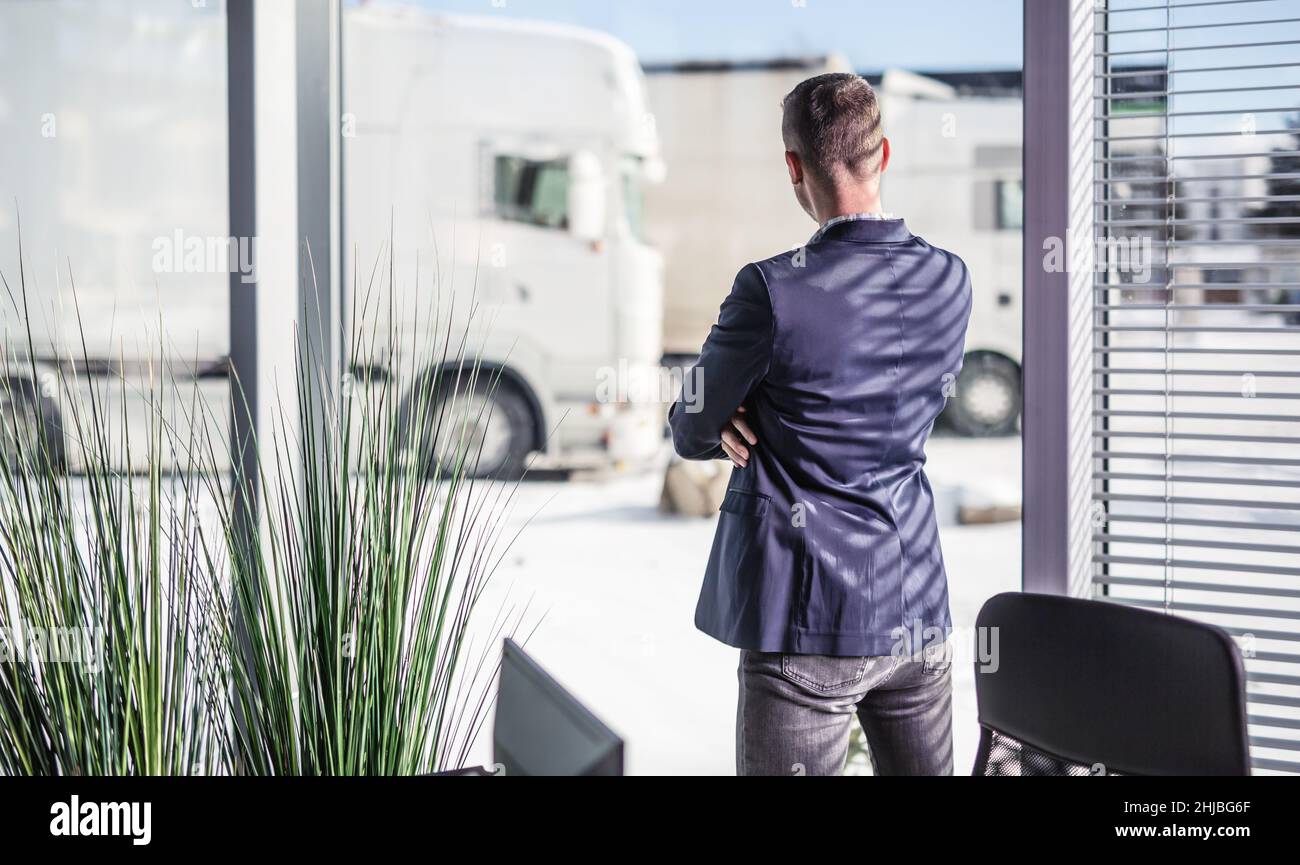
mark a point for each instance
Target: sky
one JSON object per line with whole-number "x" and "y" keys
{"x": 872, "y": 34}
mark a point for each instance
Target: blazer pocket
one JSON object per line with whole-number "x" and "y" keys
{"x": 745, "y": 503}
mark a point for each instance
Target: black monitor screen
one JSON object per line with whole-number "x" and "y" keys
{"x": 540, "y": 729}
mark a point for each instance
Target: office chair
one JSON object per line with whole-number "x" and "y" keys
{"x": 1079, "y": 687}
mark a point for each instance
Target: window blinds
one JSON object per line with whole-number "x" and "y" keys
{"x": 1196, "y": 469}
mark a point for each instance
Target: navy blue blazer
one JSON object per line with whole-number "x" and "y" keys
{"x": 843, "y": 353}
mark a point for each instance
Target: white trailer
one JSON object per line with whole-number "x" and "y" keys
{"x": 728, "y": 200}
{"x": 955, "y": 177}
{"x": 113, "y": 166}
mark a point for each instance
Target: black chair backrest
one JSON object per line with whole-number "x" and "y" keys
{"x": 1077, "y": 687}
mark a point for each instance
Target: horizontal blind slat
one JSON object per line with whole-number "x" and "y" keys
{"x": 1212, "y": 588}
{"x": 1193, "y": 394}
{"x": 1254, "y": 525}
{"x": 1236, "y": 546}
{"x": 1283, "y": 483}
{"x": 1188, "y": 48}
{"x": 1103, "y": 8}
{"x": 1199, "y": 565}
{"x": 1273, "y": 721}
{"x": 1198, "y": 500}
{"x": 1218, "y": 609}
{"x": 1170, "y": 28}
{"x": 1227, "y": 459}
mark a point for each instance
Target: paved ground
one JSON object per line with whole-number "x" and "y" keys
{"x": 617, "y": 582}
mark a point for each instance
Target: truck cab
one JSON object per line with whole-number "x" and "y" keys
{"x": 493, "y": 174}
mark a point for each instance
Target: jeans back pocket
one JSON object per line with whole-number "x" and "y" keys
{"x": 823, "y": 672}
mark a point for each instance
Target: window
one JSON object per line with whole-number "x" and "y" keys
{"x": 102, "y": 187}
{"x": 633, "y": 197}
{"x": 535, "y": 192}
{"x": 1196, "y": 506}
{"x": 1011, "y": 205}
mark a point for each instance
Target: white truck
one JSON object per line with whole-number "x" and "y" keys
{"x": 508, "y": 155}
{"x": 511, "y": 157}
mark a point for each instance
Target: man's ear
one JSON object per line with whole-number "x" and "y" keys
{"x": 795, "y": 166}
{"x": 884, "y": 154}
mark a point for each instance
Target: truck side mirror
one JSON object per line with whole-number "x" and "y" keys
{"x": 587, "y": 196}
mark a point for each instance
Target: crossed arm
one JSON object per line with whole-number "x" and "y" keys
{"x": 735, "y": 359}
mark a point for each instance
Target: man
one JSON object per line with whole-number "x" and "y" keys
{"x": 821, "y": 382}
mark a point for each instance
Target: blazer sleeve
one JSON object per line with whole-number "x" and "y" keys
{"x": 735, "y": 358}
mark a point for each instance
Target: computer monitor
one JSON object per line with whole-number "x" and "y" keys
{"x": 541, "y": 729}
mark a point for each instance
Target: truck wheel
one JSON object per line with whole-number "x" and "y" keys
{"x": 988, "y": 396}
{"x": 491, "y": 425}
{"x": 29, "y": 425}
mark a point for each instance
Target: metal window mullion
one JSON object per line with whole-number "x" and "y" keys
{"x": 1060, "y": 51}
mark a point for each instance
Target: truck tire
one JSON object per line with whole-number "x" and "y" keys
{"x": 988, "y": 396}
{"x": 497, "y": 441}
{"x": 29, "y": 424}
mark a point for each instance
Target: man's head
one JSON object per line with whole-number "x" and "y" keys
{"x": 835, "y": 147}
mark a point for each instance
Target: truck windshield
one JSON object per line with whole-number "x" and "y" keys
{"x": 535, "y": 192}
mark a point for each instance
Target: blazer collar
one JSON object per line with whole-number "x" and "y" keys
{"x": 865, "y": 231}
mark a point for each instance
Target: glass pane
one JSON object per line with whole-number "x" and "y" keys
{"x": 590, "y": 177}
{"x": 1011, "y": 205}
{"x": 113, "y": 142}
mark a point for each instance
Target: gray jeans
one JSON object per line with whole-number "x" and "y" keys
{"x": 795, "y": 711}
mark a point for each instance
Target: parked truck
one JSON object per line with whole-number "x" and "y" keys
{"x": 511, "y": 156}
{"x": 508, "y": 156}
